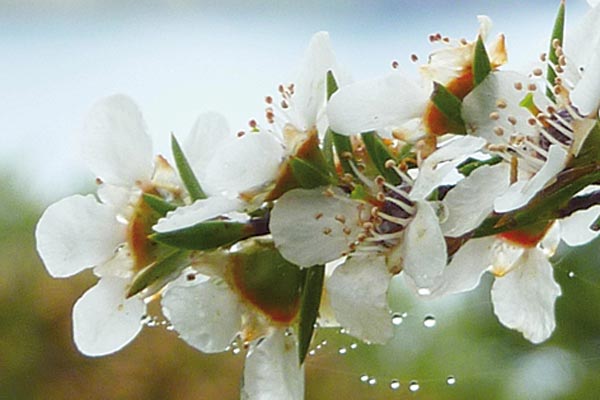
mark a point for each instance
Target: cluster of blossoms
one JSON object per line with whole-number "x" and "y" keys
{"x": 259, "y": 236}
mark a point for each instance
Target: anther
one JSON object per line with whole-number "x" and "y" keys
{"x": 498, "y": 131}
{"x": 532, "y": 87}
{"x": 518, "y": 86}
{"x": 512, "y": 120}
{"x": 494, "y": 116}
{"x": 501, "y": 103}
{"x": 414, "y": 58}
{"x": 395, "y": 64}
{"x": 269, "y": 100}
{"x": 538, "y": 72}
{"x": 318, "y": 216}
{"x": 390, "y": 163}
{"x": 340, "y": 218}
{"x": 326, "y": 231}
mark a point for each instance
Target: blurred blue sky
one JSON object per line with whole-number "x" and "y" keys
{"x": 179, "y": 58}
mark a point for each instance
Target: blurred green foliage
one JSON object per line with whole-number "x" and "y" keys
{"x": 39, "y": 361}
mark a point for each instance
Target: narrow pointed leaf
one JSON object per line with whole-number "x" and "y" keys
{"x": 309, "y": 307}
{"x": 379, "y": 154}
{"x": 590, "y": 149}
{"x": 481, "y": 63}
{"x": 557, "y": 34}
{"x": 307, "y": 175}
{"x": 185, "y": 172}
{"x": 343, "y": 148}
{"x": 159, "y": 271}
{"x": 158, "y": 204}
{"x": 448, "y": 104}
{"x": 471, "y": 164}
{"x": 206, "y": 235}
{"x": 328, "y": 152}
{"x": 332, "y": 85}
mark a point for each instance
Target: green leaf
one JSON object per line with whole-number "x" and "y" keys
{"x": 328, "y": 152}
{"x": 590, "y": 148}
{"x": 379, "y": 154}
{"x": 471, "y": 164}
{"x": 557, "y": 34}
{"x": 206, "y": 235}
{"x": 481, "y": 63}
{"x": 185, "y": 172}
{"x": 343, "y": 148}
{"x": 310, "y": 301}
{"x": 448, "y": 104}
{"x": 332, "y": 85}
{"x": 159, "y": 271}
{"x": 158, "y": 204}
{"x": 308, "y": 175}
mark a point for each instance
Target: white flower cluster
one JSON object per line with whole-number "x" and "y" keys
{"x": 256, "y": 237}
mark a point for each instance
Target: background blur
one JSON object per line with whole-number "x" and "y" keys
{"x": 179, "y": 58}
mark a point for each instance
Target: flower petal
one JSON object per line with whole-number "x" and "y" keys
{"x": 76, "y": 233}
{"x": 103, "y": 320}
{"x": 586, "y": 95}
{"x": 310, "y": 85}
{"x": 519, "y": 194}
{"x": 308, "y": 226}
{"x": 524, "y": 298}
{"x": 472, "y": 199}
{"x": 209, "y": 132}
{"x": 424, "y": 247}
{"x": 581, "y": 43}
{"x": 575, "y": 229}
{"x": 115, "y": 143}
{"x": 375, "y": 104}
{"x": 199, "y": 211}
{"x": 466, "y": 268}
{"x": 272, "y": 369}
{"x": 432, "y": 174}
{"x": 242, "y": 164}
{"x": 357, "y": 291}
{"x": 497, "y": 88}
{"x": 206, "y": 314}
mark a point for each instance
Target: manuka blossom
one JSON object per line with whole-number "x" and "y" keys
{"x": 108, "y": 233}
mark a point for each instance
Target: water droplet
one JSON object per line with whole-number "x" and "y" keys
{"x": 324, "y": 343}
{"x": 413, "y": 386}
{"x": 429, "y": 321}
{"x": 395, "y": 384}
{"x": 342, "y": 350}
{"x": 236, "y": 351}
{"x": 319, "y": 347}
{"x": 397, "y": 319}
{"x": 364, "y": 378}
{"x": 571, "y": 274}
{"x": 451, "y": 380}
{"x": 353, "y": 346}
{"x": 424, "y": 292}
{"x": 372, "y": 381}
{"x": 311, "y": 353}
{"x": 404, "y": 314}
{"x": 343, "y": 331}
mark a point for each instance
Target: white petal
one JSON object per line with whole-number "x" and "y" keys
{"x": 118, "y": 197}
{"x": 524, "y": 298}
{"x": 242, "y": 164}
{"x": 424, "y": 247}
{"x": 308, "y": 226}
{"x": 199, "y": 211}
{"x": 483, "y": 100}
{"x": 375, "y": 104}
{"x": 575, "y": 229}
{"x": 593, "y": 3}
{"x": 472, "y": 199}
{"x": 103, "y": 321}
{"x": 76, "y": 233}
{"x": 310, "y": 85}
{"x": 586, "y": 95}
{"x": 519, "y": 194}
{"x": 580, "y": 43}
{"x": 432, "y": 174}
{"x": 272, "y": 370}
{"x": 466, "y": 268}
{"x": 207, "y": 315}
{"x": 115, "y": 143}
{"x": 209, "y": 132}
{"x": 358, "y": 294}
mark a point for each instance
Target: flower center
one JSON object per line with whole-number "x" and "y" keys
{"x": 143, "y": 250}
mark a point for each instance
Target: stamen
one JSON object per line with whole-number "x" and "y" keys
{"x": 396, "y": 220}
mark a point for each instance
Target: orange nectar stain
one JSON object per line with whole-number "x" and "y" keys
{"x": 527, "y": 237}
{"x": 140, "y": 226}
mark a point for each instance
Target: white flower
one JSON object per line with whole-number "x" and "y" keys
{"x": 524, "y": 291}
{"x": 108, "y": 234}
{"x": 393, "y": 228}
{"x": 212, "y": 306}
{"x": 391, "y": 105}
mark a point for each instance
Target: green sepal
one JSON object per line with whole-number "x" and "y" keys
{"x": 359, "y": 193}
{"x": 266, "y": 280}
{"x": 308, "y": 175}
{"x": 206, "y": 235}
{"x": 379, "y": 154}
{"x": 450, "y": 106}
{"x": 328, "y": 152}
{"x": 545, "y": 206}
{"x": 343, "y": 146}
{"x": 185, "y": 172}
{"x": 471, "y": 164}
{"x": 160, "y": 271}
{"x": 310, "y": 300}
{"x": 158, "y": 204}
{"x": 590, "y": 148}
{"x": 557, "y": 33}
{"x": 481, "y": 62}
{"x": 332, "y": 85}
